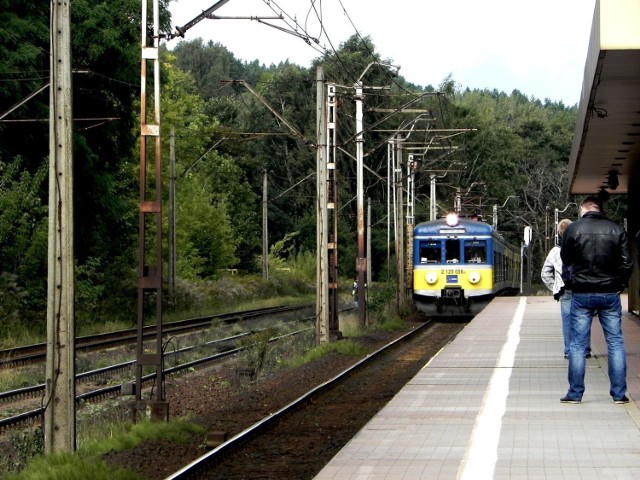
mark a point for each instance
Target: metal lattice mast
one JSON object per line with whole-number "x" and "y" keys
{"x": 332, "y": 211}
{"x": 327, "y": 324}
{"x": 148, "y": 357}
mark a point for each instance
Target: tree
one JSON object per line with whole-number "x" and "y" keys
{"x": 205, "y": 239}
{"x": 23, "y": 243}
{"x": 214, "y": 206}
{"x": 106, "y": 78}
{"x": 209, "y": 65}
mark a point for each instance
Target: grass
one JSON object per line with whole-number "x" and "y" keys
{"x": 343, "y": 347}
{"x": 101, "y": 430}
{"x": 178, "y": 431}
{"x": 87, "y": 462}
{"x": 241, "y": 292}
{"x": 383, "y": 319}
{"x": 17, "y": 335}
{"x": 68, "y": 466}
{"x": 215, "y": 308}
{"x": 12, "y": 379}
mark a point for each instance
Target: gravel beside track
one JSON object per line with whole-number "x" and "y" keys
{"x": 300, "y": 444}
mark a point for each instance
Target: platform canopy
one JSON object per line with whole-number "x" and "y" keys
{"x": 606, "y": 144}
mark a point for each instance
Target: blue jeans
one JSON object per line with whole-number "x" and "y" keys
{"x": 565, "y": 314}
{"x": 583, "y": 307}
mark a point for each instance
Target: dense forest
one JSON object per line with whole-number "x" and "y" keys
{"x": 513, "y": 153}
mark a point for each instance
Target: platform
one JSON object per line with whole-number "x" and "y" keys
{"x": 488, "y": 407}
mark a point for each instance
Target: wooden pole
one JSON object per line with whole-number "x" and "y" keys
{"x": 322, "y": 228}
{"x": 60, "y": 413}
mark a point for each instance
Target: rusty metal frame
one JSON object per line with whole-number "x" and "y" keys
{"x": 332, "y": 212}
{"x": 154, "y": 405}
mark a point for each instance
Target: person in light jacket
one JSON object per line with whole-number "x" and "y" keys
{"x": 551, "y": 275}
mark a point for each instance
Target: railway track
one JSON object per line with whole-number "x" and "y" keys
{"x": 298, "y": 439}
{"x": 223, "y": 349}
{"x": 35, "y": 415}
{"x": 36, "y": 353}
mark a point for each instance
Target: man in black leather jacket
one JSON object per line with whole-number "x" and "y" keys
{"x": 597, "y": 252}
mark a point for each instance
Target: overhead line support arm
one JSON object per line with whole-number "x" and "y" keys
{"x": 180, "y": 31}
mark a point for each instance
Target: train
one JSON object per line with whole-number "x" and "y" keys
{"x": 460, "y": 264}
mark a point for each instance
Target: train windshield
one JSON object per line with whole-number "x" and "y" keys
{"x": 452, "y": 251}
{"x": 475, "y": 251}
{"x": 430, "y": 252}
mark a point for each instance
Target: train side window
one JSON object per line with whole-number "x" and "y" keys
{"x": 452, "y": 251}
{"x": 430, "y": 252}
{"x": 475, "y": 251}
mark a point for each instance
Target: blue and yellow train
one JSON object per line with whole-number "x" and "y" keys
{"x": 460, "y": 264}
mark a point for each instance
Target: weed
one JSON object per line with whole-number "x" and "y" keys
{"x": 26, "y": 446}
{"x": 344, "y": 347}
{"x": 69, "y": 466}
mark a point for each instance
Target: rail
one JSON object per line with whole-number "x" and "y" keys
{"x": 36, "y": 414}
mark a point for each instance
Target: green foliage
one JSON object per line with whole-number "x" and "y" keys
{"x": 67, "y": 466}
{"x": 255, "y": 355}
{"x": 106, "y": 87}
{"x": 209, "y": 64}
{"x": 230, "y": 186}
{"x": 205, "y": 239}
{"x": 175, "y": 431}
{"x": 225, "y": 138}
{"x": 183, "y": 110}
{"x": 215, "y": 213}
{"x": 303, "y": 265}
{"x": 241, "y": 292}
{"x": 283, "y": 249}
{"x": 86, "y": 462}
{"x": 23, "y": 246}
{"x": 22, "y": 218}
{"x": 20, "y": 377}
{"x": 387, "y": 320}
{"x": 25, "y": 446}
{"x": 380, "y": 296}
{"x": 13, "y": 301}
{"x": 342, "y": 347}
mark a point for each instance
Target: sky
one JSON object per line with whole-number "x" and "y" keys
{"x": 538, "y": 47}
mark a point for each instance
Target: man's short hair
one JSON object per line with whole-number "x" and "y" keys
{"x": 591, "y": 203}
{"x": 562, "y": 226}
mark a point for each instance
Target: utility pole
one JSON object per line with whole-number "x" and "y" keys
{"x": 60, "y": 395}
{"x": 322, "y": 230}
{"x": 556, "y": 219}
{"x": 390, "y": 162}
{"x": 154, "y": 405}
{"x": 265, "y": 226}
{"x": 327, "y": 322}
{"x": 400, "y": 252}
{"x": 361, "y": 261}
{"x": 433, "y": 206}
{"x": 172, "y": 213}
{"x": 150, "y": 357}
{"x": 368, "y": 240}
{"x": 411, "y": 169}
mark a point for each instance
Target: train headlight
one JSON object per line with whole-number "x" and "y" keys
{"x": 452, "y": 219}
{"x": 474, "y": 277}
{"x": 431, "y": 277}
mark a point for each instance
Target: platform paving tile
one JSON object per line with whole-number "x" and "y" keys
{"x": 425, "y": 431}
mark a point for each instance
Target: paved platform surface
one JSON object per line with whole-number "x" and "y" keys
{"x": 488, "y": 407}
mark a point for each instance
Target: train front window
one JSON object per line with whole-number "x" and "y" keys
{"x": 452, "y": 251}
{"x": 430, "y": 252}
{"x": 475, "y": 251}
